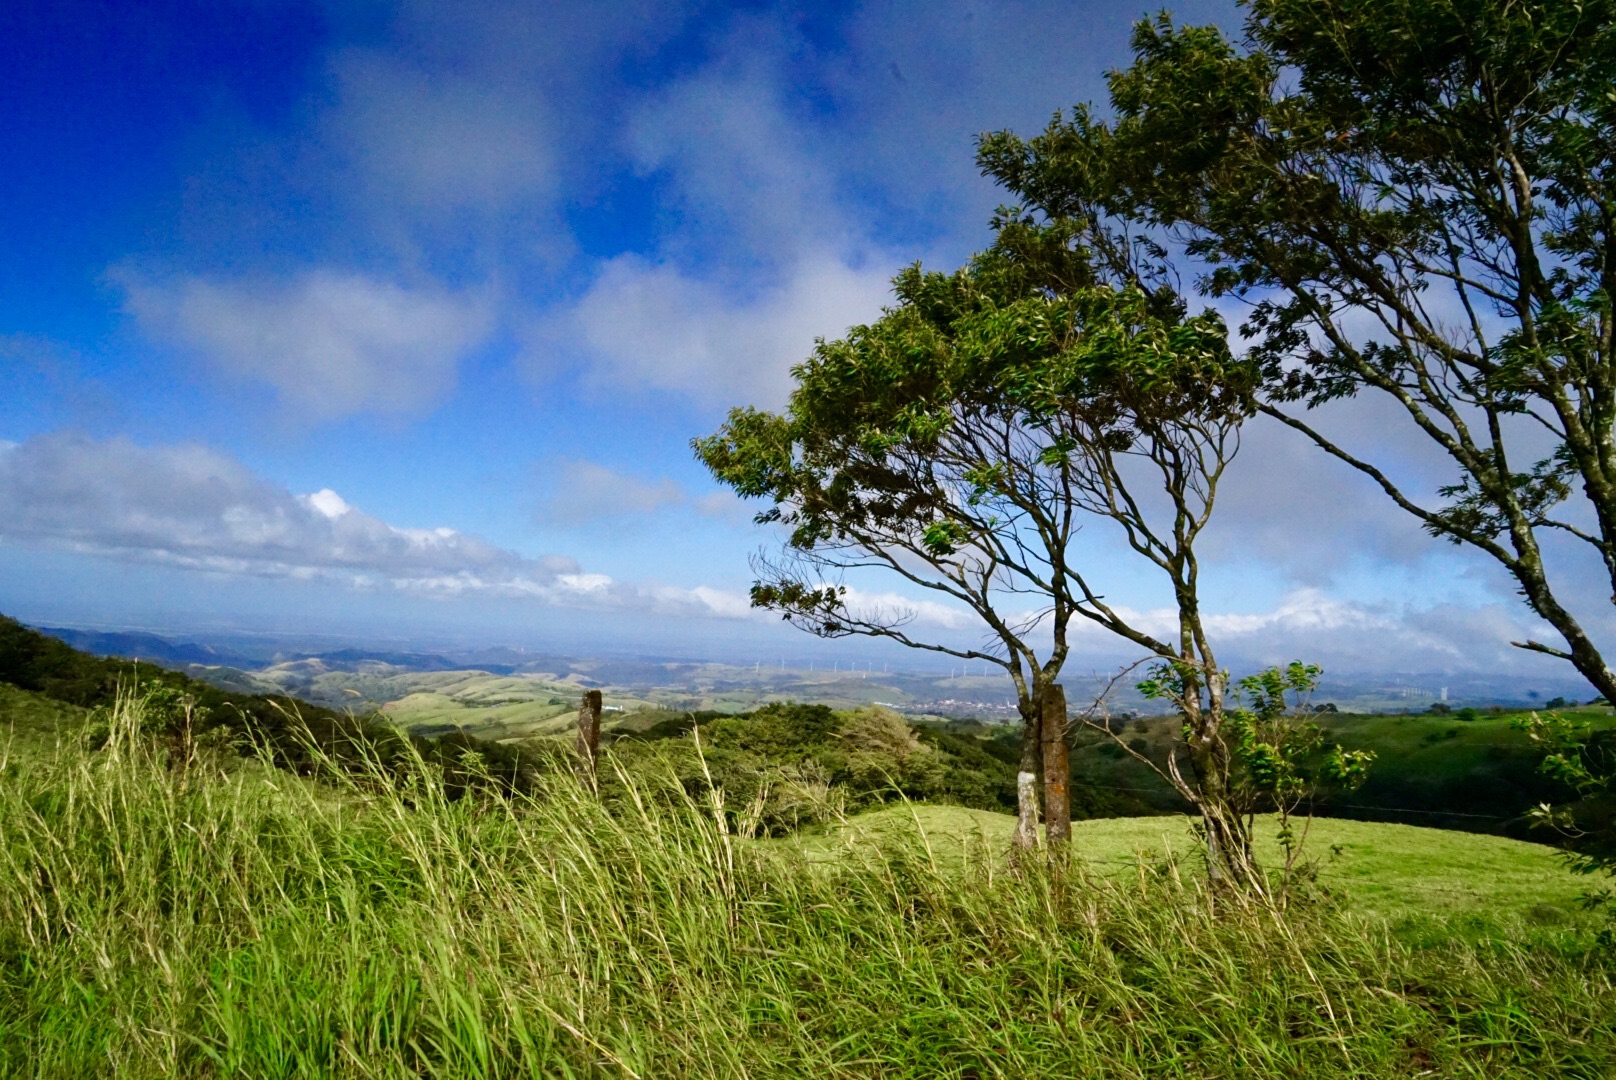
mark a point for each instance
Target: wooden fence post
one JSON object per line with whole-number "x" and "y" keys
{"x": 589, "y": 731}
{"x": 1057, "y": 767}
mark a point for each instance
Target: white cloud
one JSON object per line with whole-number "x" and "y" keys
{"x": 1285, "y": 503}
{"x": 192, "y": 507}
{"x": 647, "y": 327}
{"x": 328, "y": 343}
{"x": 769, "y": 253}
{"x": 1348, "y": 636}
{"x": 436, "y": 141}
{"x": 744, "y": 168}
{"x": 585, "y": 492}
{"x": 890, "y": 606}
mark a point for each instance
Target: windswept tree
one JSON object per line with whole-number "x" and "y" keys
{"x": 1418, "y": 200}
{"x": 962, "y": 441}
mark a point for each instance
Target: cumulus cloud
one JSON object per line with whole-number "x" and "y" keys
{"x": 578, "y": 491}
{"x": 587, "y": 490}
{"x": 1287, "y": 504}
{"x": 1306, "y": 624}
{"x": 649, "y": 326}
{"x": 1312, "y": 625}
{"x": 419, "y": 140}
{"x": 748, "y": 172}
{"x": 192, "y": 507}
{"x": 770, "y": 252}
{"x": 893, "y": 607}
{"x": 590, "y": 490}
{"x": 328, "y": 343}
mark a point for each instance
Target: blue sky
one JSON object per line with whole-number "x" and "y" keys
{"x": 396, "y": 319}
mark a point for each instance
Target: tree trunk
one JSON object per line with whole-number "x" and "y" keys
{"x": 1057, "y": 766}
{"x": 1026, "y": 834}
{"x": 1231, "y": 867}
{"x": 1230, "y": 864}
{"x": 589, "y": 731}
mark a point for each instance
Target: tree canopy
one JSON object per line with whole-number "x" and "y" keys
{"x": 964, "y": 439}
{"x": 1416, "y": 198}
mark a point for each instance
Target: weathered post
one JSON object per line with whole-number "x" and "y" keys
{"x": 1057, "y": 767}
{"x": 589, "y": 731}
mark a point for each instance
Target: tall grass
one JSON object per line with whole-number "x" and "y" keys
{"x": 161, "y": 921}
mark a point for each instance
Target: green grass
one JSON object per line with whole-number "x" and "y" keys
{"x": 203, "y": 919}
{"x": 429, "y": 713}
{"x": 30, "y": 720}
{"x": 1375, "y": 868}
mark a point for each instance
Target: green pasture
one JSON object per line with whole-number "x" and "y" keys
{"x": 205, "y": 916}
{"x": 1374, "y": 868}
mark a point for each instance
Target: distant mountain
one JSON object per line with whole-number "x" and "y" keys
{"x": 243, "y": 663}
{"x": 410, "y": 661}
{"x": 181, "y": 655}
{"x": 132, "y": 645}
{"x": 231, "y": 680}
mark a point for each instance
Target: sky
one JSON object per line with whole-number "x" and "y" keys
{"x": 395, "y": 321}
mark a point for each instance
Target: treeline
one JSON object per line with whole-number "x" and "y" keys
{"x": 1428, "y": 770}
{"x": 788, "y": 765}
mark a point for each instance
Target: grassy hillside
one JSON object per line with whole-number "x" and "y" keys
{"x": 1376, "y": 868}
{"x": 164, "y": 923}
{"x": 190, "y": 714}
{"x": 30, "y": 720}
{"x": 1476, "y": 772}
{"x": 1465, "y": 770}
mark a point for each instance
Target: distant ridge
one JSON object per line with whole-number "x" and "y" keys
{"x": 180, "y": 654}
{"x": 134, "y": 645}
{"x": 413, "y": 661}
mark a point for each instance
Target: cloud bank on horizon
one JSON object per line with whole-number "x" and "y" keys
{"x": 486, "y": 267}
{"x": 191, "y": 507}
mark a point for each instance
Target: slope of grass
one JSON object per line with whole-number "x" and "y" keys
{"x": 1375, "y": 867}
{"x": 160, "y": 920}
{"x": 32, "y": 719}
{"x": 433, "y": 713}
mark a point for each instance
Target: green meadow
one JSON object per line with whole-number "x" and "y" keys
{"x": 1393, "y": 871}
{"x": 199, "y": 914}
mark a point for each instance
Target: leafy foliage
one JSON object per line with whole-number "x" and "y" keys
{"x": 1415, "y": 200}
{"x": 1278, "y": 761}
{"x": 1583, "y": 761}
{"x": 962, "y": 441}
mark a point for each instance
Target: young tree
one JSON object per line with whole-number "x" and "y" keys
{"x": 1278, "y": 760}
{"x": 1584, "y": 760}
{"x": 1418, "y": 199}
{"x": 963, "y": 440}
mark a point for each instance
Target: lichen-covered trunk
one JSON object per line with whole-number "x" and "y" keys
{"x": 1230, "y": 864}
{"x": 1026, "y": 834}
